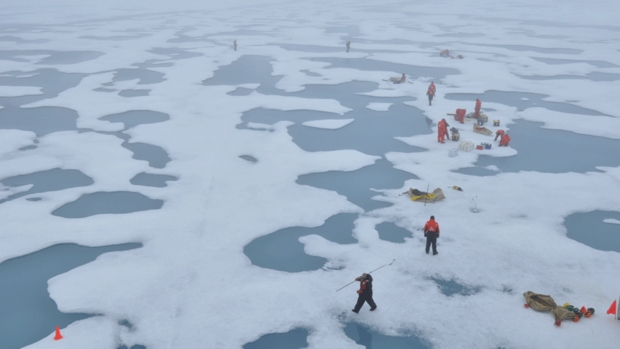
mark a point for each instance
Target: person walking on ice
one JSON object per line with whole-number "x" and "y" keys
{"x": 431, "y": 92}
{"x": 431, "y": 232}
{"x": 364, "y": 293}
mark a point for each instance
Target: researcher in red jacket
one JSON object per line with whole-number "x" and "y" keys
{"x": 364, "y": 293}
{"x": 477, "y": 110}
{"x": 431, "y": 231}
{"x": 442, "y": 130}
{"x": 505, "y": 140}
{"x": 498, "y": 134}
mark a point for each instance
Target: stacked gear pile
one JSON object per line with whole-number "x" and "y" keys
{"x": 466, "y": 146}
{"x": 455, "y": 134}
{"x": 540, "y": 302}
{"x": 580, "y": 312}
{"x": 420, "y": 196}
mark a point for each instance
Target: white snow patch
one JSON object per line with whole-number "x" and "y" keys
{"x": 16, "y": 91}
{"x": 379, "y": 106}
{"x": 332, "y": 124}
{"x": 12, "y": 140}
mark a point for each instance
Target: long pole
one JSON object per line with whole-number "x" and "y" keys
{"x": 367, "y": 273}
{"x": 425, "y": 196}
{"x": 383, "y": 266}
{"x": 345, "y": 285}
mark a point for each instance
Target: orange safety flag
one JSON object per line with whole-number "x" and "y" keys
{"x": 612, "y": 308}
{"x": 58, "y": 336}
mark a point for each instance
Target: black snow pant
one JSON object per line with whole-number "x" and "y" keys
{"x": 430, "y": 99}
{"x": 431, "y": 239}
{"x": 364, "y": 297}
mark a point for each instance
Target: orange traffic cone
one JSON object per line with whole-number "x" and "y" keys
{"x": 58, "y": 336}
{"x": 612, "y": 308}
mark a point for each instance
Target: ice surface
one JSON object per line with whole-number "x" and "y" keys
{"x": 328, "y": 124}
{"x": 379, "y": 106}
{"x": 24, "y": 302}
{"x": 12, "y": 140}
{"x": 191, "y": 285}
{"x": 13, "y": 91}
{"x": 590, "y": 228}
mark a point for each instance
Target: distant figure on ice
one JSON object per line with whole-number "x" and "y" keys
{"x": 431, "y": 232}
{"x": 504, "y": 140}
{"x": 348, "y": 45}
{"x": 364, "y": 293}
{"x": 477, "y": 110}
{"x": 442, "y": 131}
{"x": 499, "y": 134}
{"x": 399, "y": 80}
{"x": 431, "y": 92}
{"x": 235, "y": 44}
{"x": 444, "y": 53}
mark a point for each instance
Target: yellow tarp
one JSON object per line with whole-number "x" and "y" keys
{"x": 421, "y": 196}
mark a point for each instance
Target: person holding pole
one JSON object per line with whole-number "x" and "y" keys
{"x": 431, "y": 232}
{"x": 364, "y": 293}
{"x": 370, "y": 272}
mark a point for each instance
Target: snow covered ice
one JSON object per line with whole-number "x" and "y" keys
{"x": 138, "y": 122}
